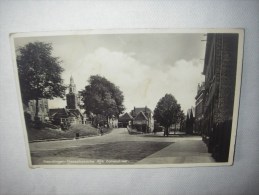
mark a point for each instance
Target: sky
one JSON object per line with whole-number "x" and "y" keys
{"x": 144, "y": 66}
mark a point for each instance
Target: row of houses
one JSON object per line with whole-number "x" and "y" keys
{"x": 215, "y": 96}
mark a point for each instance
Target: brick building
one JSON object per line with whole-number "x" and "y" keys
{"x": 220, "y": 75}
{"x": 72, "y": 97}
{"x": 199, "y": 108}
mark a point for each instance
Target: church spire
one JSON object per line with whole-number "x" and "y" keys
{"x": 71, "y": 80}
{"x": 72, "y": 86}
{"x": 72, "y": 97}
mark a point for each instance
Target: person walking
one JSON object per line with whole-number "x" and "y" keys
{"x": 101, "y": 130}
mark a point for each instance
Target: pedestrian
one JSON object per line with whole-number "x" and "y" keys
{"x": 101, "y": 130}
{"x": 98, "y": 129}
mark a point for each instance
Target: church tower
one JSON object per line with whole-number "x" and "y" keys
{"x": 72, "y": 101}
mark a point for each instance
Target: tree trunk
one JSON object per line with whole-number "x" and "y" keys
{"x": 167, "y": 131}
{"x": 37, "y": 120}
{"x": 36, "y": 117}
{"x": 174, "y": 128}
{"x": 108, "y": 125}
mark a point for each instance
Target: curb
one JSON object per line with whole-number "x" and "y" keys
{"x": 61, "y": 139}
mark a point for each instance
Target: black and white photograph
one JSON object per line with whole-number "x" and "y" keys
{"x": 129, "y": 98}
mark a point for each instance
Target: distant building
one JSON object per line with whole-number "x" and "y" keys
{"x": 71, "y": 113}
{"x": 143, "y": 119}
{"x": 113, "y": 122}
{"x": 125, "y": 120}
{"x": 72, "y": 96}
{"x": 199, "y": 108}
{"x": 63, "y": 115}
{"x": 220, "y": 75}
{"x": 30, "y": 109}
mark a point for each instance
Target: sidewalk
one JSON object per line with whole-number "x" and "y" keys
{"x": 185, "y": 151}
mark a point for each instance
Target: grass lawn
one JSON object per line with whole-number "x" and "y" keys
{"x": 43, "y": 134}
{"x": 132, "y": 151}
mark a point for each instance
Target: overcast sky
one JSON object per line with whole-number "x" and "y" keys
{"x": 144, "y": 66}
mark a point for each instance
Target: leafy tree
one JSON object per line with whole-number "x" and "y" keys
{"x": 101, "y": 97}
{"x": 187, "y": 123}
{"x": 167, "y": 111}
{"x": 191, "y": 122}
{"x": 39, "y": 73}
{"x": 181, "y": 120}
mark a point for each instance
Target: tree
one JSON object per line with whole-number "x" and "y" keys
{"x": 181, "y": 120}
{"x": 167, "y": 111}
{"x": 191, "y": 122}
{"x": 187, "y": 123}
{"x": 39, "y": 73}
{"x": 101, "y": 97}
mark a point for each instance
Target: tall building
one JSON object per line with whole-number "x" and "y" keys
{"x": 220, "y": 74}
{"x": 199, "y": 107}
{"x": 71, "y": 113}
{"x": 72, "y": 97}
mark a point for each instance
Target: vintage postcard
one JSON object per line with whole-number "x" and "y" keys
{"x": 129, "y": 98}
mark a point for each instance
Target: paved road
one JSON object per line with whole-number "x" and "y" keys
{"x": 183, "y": 149}
{"x": 120, "y": 134}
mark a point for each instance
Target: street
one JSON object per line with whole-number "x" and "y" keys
{"x": 118, "y": 147}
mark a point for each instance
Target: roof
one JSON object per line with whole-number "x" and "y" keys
{"x": 63, "y": 112}
{"x": 75, "y": 112}
{"x": 125, "y": 116}
{"x": 135, "y": 111}
{"x": 60, "y": 111}
{"x": 140, "y": 116}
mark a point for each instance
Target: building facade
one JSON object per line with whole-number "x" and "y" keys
{"x": 125, "y": 120}
{"x": 113, "y": 122}
{"x": 219, "y": 70}
{"x": 142, "y": 119}
{"x": 60, "y": 116}
{"x": 199, "y": 108}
